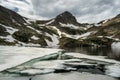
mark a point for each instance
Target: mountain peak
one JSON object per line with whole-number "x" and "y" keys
{"x": 66, "y": 13}
{"x": 66, "y": 17}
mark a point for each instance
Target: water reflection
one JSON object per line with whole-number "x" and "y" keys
{"x": 116, "y": 52}
{"x": 109, "y": 52}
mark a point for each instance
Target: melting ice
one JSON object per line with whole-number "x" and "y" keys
{"x": 44, "y": 62}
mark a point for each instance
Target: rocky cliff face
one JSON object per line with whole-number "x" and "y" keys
{"x": 62, "y": 31}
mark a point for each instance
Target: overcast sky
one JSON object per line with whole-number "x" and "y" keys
{"x": 90, "y": 11}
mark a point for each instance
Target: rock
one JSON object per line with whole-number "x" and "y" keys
{"x": 61, "y": 70}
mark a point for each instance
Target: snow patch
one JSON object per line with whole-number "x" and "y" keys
{"x": 8, "y": 38}
{"x": 9, "y": 29}
{"x": 113, "y": 70}
{"x": 34, "y": 37}
{"x": 58, "y": 31}
{"x": 97, "y": 25}
{"x": 82, "y": 36}
{"x": 105, "y": 21}
{"x": 27, "y": 44}
{"x": 88, "y": 26}
{"x": 50, "y": 22}
{"x": 71, "y": 26}
{"x": 54, "y": 42}
{"x": 34, "y": 29}
{"x": 110, "y": 37}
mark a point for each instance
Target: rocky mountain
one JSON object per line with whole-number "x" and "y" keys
{"x": 65, "y": 18}
{"x": 15, "y": 29}
{"x": 61, "y": 31}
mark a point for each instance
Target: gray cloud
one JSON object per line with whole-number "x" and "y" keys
{"x": 90, "y": 11}
{"x": 85, "y": 10}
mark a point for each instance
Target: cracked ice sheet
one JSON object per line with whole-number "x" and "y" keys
{"x": 111, "y": 70}
{"x": 63, "y": 76}
{"x": 96, "y": 58}
{"x": 13, "y": 56}
{"x": 72, "y": 76}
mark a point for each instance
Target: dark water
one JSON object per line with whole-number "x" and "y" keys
{"x": 109, "y": 52}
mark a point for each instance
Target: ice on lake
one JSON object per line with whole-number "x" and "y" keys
{"x": 47, "y": 64}
{"x": 13, "y": 56}
{"x": 63, "y": 76}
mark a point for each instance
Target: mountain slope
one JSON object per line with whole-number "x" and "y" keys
{"x": 18, "y": 30}
{"x": 110, "y": 28}
{"x": 61, "y": 31}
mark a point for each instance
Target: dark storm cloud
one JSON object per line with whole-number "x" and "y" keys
{"x": 84, "y": 10}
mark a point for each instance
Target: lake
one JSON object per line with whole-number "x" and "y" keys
{"x": 109, "y": 52}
